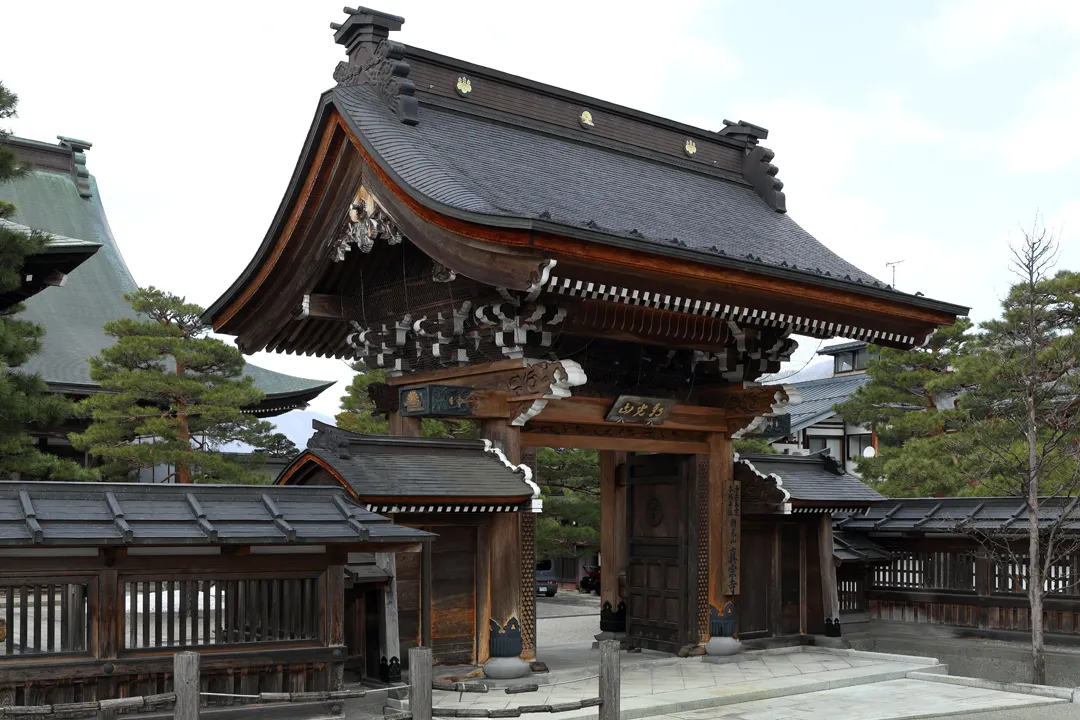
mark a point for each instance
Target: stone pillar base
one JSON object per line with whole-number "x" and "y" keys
{"x": 721, "y": 647}
{"x": 506, "y": 668}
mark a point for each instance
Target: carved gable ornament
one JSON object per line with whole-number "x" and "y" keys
{"x": 388, "y": 74}
{"x": 761, "y": 494}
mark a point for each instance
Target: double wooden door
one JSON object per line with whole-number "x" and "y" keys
{"x": 657, "y": 545}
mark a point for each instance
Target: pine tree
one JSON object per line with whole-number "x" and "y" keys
{"x": 358, "y": 413}
{"x": 569, "y": 482}
{"x": 25, "y": 400}
{"x": 911, "y": 402}
{"x": 1023, "y": 435}
{"x": 172, "y": 396}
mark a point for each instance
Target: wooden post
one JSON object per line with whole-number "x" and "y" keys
{"x": 425, "y": 596}
{"x": 505, "y": 552}
{"x": 403, "y": 426}
{"x": 612, "y": 546}
{"x": 610, "y": 680}
{"x": 186, "y": 685}
{"x": 527, "y": 522}
{"x": 620, "y": 523}
{"x": 829, "y": 595}
{"x": 609, "y": 590}
{"x": 335, "y": 624}
{"x": 725, "y": 529}
{"x": 389, "y": 639}
{"x": 420, "y": 683}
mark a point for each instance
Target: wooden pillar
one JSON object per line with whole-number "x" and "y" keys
{"x": 389, "y": 637}
{"x": 725, "y": 529}
{"x": 504, "y": 555}
{"x": 829, "y": 595}
{"x": 335, "y": 624}
{"x": 403, "y": 426}
{"x": 389, "y": 640}
{"x": 425, "y": 595}
{"x": 528, "y": 570}
{"x": 612, "y": 543}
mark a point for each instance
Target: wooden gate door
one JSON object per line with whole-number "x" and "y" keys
{"x": 656, "y": 573}
{"x": 758, "y": 582}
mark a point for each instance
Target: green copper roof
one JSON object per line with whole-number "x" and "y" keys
{"x": 59, "y": 197}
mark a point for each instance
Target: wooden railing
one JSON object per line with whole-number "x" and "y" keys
{"x": 962, "y": 589}
{"x": 37, "y": 619}
{"x": 70, "y": 636}
{"x": 187, "y": 613}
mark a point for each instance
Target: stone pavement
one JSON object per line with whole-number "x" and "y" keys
{"x": 889, "y": 700}
{"x": 803, "y": 683}
{"x": 671, "y": 686}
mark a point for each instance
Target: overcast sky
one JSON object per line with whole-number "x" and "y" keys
{"x": 928, "y": 132}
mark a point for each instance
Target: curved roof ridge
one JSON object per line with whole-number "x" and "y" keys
{"x": 74, "y": 316}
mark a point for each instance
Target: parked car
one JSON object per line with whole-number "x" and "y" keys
{"x": 546, "y": 581}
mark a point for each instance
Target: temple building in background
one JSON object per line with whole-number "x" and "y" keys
{"x": 79, "y": 283}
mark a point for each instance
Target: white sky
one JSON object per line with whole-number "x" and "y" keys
{"x": 928, "y": 132}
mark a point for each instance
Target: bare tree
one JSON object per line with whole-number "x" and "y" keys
{"x": 1024, "y": 428}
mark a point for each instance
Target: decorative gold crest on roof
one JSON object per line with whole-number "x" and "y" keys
{"x": 464, "y": 85}
{"x": 690, "y": 147}
{"x": 586, "y": 119}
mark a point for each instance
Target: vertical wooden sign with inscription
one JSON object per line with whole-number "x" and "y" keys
{"x": 732, "y": 533}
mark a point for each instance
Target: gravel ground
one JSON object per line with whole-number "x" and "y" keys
{"x": 1063, "y": 711}
{"x": 567, "y": 603}
{"x": 568, "y": 618}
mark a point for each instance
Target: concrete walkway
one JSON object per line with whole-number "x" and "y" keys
{"x": 890, "y": 700}
{"x": 799, "y": 682}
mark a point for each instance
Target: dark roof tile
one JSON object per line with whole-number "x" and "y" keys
{"x": 810, "y": 478}
{"x": 79, "y": 514}
{"x": 480, "y": 165}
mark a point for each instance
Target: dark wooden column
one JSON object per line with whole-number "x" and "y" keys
{"x": 725, "y": 529}
{"x": 612, "y": 542}
{"x": 528, "y": 570}
{"x": 829, "y": 596}
{"x": 505, "y": 636}
{"x": 335, "y": 619}
{"x": 389, "y": 627}
{"x": 403, "y": 426}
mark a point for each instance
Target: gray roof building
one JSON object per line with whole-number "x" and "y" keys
{"x": 60, "y": 197}
{"x": 809, "y": 483}
{"x": 107, "y": 514}
{"x": 996, "y": 515}
{"x": 819, "y": 397}
{"x": 394, "y": 474}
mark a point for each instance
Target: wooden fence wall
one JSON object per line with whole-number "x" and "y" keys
{"x": 71, "y": 634}
{"x": 960, "y": 588}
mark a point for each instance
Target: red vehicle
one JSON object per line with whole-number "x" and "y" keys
{"x": 590, "y": 581}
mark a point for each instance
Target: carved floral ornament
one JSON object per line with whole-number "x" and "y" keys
{"x": 366, "y": 223}
{"x": 454, "y": 338}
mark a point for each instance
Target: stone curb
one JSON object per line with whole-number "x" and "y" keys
{"x": 1068, "y": 694}
{"x": 914, "y": 659}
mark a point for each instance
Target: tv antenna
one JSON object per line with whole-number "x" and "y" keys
{"x": 893, "y": 265}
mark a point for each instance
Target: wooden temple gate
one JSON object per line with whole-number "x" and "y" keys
{"x": 583, "y": 276}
